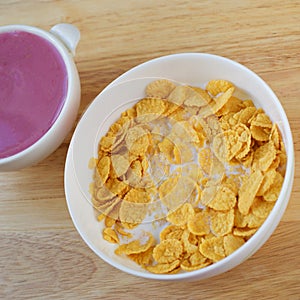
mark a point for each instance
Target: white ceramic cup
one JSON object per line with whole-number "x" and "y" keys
{"x": 64, "y": 37}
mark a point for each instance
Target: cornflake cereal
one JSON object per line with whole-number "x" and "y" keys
{"x": 186, "y": 176}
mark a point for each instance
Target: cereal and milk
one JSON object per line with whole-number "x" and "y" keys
{"x": 186, "y": 176}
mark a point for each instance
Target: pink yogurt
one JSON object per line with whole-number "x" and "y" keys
{"x": 33, "y": 88}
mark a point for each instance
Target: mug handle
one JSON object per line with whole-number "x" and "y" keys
{"x": 68, "y": 34}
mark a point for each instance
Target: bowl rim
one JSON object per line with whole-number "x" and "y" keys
{"x": 73, "y": 79}
{"x": 258, "y": 239}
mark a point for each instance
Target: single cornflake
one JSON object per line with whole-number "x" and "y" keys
{"x": 110, "y": 235}
{"x": 136, "y": 246}
{"x": 194, "y": 98}
{"x": 205, "y": 159}
{"x": 199, "y": 224}
{"x": 149, "y": 109}
{"x": 171, "y": 232}
{"x": 143, "y": 258}
{"x": 167, "y": 251}
{"x": 103, "y": 168}
{"x": 273, "y": 192}
{"x": 137, "y": 140}
{"x": 244, "y": 232}
{"x": 248, "y": 191}
{"x": 264, "y": 156}
{"x": 163, "y": 268}
{"x": 216, "y": 86}
{"x": 261, "y": 120}
{"x": 226, "y": 145}
{"x": 181, "y": 215}
{"x": 224, "y": 199}
{"x": 221, "y": 223}
{"x": 261, "y": 134}
{"x": 120, "y": 164}
{"x": 268, "y": 180}
{"x": 160, "y": 88}
{"x": 232, "y": 243}
{"x": 261, "y": 208}
{"x": 177, "y": 190}
{"x": 213, "y": 248}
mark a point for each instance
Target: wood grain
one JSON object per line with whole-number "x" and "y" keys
{"x": 41, "y": 254}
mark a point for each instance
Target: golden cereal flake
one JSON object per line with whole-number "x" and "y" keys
{"x": 264, "y": 156}
{"x": 232, "y": 243}
{"x": 137, "y": 140}
{"x": 103, "y": 168}
{"x": 110, "y": 235}
{"x": 194, "y": 98}
{"x": 178, "y": 95}
{"x": 250, "y": 220}
{"x": 190, "y": 242}
{"x": 103, "y": 195}
{"x": 273, "y": 192}
{"x": 116, "y": 186}
{"x": 199, "y": 224}
{"x": 181, "y": 148}
{"x": 107, "y": 142}
{"x": 160, "y": 88}
{"x": 261, "y": 120}
{"x": 244, "y": 232}
{"x": 143, "y": 258}
{"x": 109, "y": 222}
{"x": 261, "y": 208}
{"x": 192, "y": 171}
{"x": 275, "y": 136}
{"x": 120, "y": 164}
{"x": 233, "y": 105}
{"x": 166, "y": 146}
{"x": 245, "y": 138}
{"x": 221, "y": 223}
{"x": 224, "y": 199}
{"x": 149, "y": 109}
{"x": 133, "y": 212}
{"x": 171, "y": 232}
{"x": 195, "y": 262}
{"x": 121, "y": 230}
{"x": 213, "y": 248}
{"x": 216, "y": 86}
{"x": 233, "y": 182}
{"x": 168, "y": 251}
{"x": 226, "y": 145}
{"x": 205, "y": 160}
{"x": 261, "y": 134}
{"x": 268, "y": 180}
{"x": 136, "y": 246}
{"x": 244, "y": 115}
{"x": 181, "y": 215}
{"x": 182, "y": 153}
{"x": 248, "y": 191}
{"x": 161, "y": 268}
{"x": 136, "y": 195}
{"x": 107, "y": 207}
{"x": 203, "y": 94}
{"x": 208, "y": 194}
{"x": 177, "y": 190}
{"x": 221, "y": 100}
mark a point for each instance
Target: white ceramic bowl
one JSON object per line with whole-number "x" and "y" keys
{"x": 64, "y": 37}
{"x": 189, "y": 68}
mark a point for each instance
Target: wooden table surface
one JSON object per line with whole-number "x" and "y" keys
{"x": 41, "y": 254}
